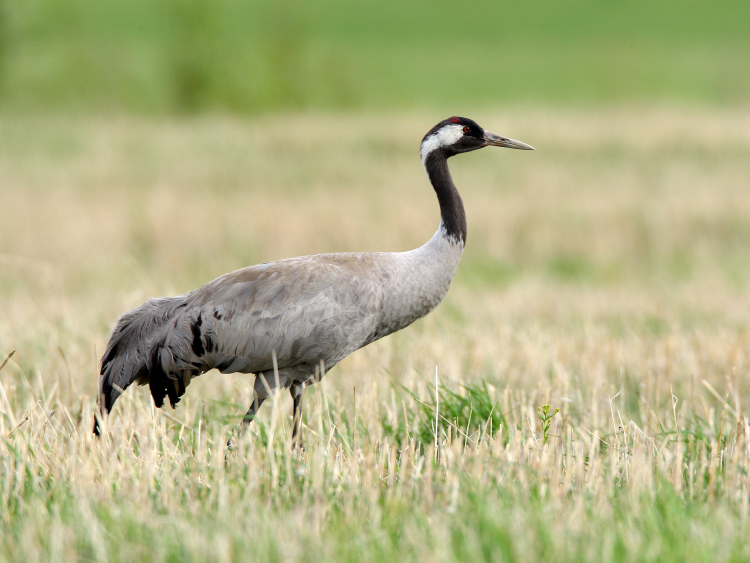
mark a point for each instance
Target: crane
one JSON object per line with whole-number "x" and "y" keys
{"x": 291, "y": 320}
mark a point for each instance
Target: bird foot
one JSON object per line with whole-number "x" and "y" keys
{"x": 298, "y": 448}
{"x": 300, "y": 451}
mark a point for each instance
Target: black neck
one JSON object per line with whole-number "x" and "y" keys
{"x": 451, "y": 207}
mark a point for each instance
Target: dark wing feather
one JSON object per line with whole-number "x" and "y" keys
{"x": 126, "y": 358}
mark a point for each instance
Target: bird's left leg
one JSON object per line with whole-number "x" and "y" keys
{"x": 296, "y": 390}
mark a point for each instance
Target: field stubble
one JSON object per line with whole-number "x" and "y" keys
{"x": 606, "y": 275}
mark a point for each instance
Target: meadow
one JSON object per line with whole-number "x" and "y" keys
{"x": 161, "y": 57}
{"x": 606, "y": 275}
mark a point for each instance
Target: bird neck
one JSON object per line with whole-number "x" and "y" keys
{"x": 452, "y": 214}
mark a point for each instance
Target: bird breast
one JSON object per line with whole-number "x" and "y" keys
{"x": 419, "y": 280}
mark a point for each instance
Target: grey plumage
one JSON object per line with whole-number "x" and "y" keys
{"x": 302, "y": 314}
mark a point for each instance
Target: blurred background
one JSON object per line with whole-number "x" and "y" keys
{"x": 249, "y": 57}
{"x": 148, "y": 146}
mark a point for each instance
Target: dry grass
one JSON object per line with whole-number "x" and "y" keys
{"x": 606, "y": 275}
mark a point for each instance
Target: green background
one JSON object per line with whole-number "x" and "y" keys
{"x": 166, "y": 57}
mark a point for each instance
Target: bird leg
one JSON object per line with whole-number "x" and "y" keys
{"x": 253, "y": 410}
{"x": 249, "y": 415}
{"x": 296, "y": 390}
{"x": 262, "y": 389}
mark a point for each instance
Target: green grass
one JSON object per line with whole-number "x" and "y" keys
{"x": 606, "y": 274}
{"x": 440, "y": 413}
{"x": 165, "y": 56}
{"x": 165, "y": 491}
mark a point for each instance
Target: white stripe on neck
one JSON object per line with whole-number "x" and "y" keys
{"x": 446, "y": 136}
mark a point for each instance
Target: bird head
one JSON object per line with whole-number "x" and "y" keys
{"x": 460, "y": 134}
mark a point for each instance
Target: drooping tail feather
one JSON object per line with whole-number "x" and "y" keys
{"x": 132, "y": 354}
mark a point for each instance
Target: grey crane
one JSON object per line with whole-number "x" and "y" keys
{"x": 289, "y": 320}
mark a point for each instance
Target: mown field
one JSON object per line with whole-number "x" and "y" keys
{"x": 607, "y": 275}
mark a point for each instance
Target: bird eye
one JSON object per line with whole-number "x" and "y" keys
{"x": 467, "y": 129}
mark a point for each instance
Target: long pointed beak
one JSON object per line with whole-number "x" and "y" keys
{"x": 490, "y": 139}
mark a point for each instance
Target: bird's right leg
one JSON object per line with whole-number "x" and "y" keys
{"x": 296, "y": 390}
{"x": 253, "y": 410}
{"x": 250, "y": 414}
{"x": 259, "y": 395}
{"x": 265, "y": 383}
